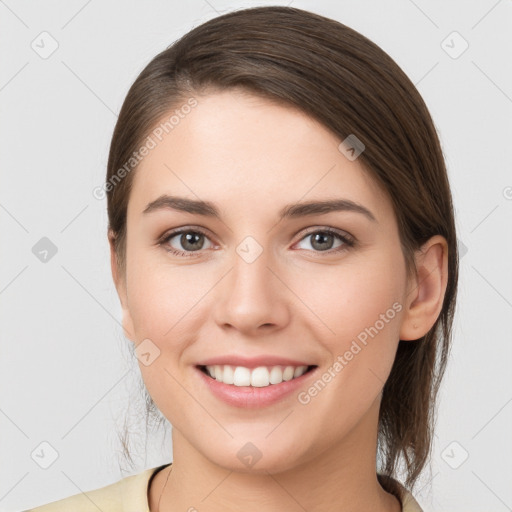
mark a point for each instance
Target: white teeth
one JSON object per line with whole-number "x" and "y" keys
{"x": 299, "y": 371}
{"x": 259, "y": 377}
{"x": 288, "y": 373}
{"x": 276, "y": 375}
{"x": 228, "y": 376}
{"x": 242, "y": 376}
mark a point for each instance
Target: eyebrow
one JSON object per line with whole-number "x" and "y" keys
{"x": 303, "y": 209}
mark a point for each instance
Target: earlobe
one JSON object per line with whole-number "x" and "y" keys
{"x": 120, "y": 284}
{"x": 426, "y": 295}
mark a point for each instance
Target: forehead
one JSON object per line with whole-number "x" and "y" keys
{"x": 238, "y": 149}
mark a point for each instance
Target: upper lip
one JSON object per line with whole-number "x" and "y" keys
{"x": 252, "y": 362}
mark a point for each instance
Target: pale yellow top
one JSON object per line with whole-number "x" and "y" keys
{"x": 131, "y": 495}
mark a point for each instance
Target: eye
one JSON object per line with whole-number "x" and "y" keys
{"x": 323, "y": 240}
{"x": 185, "y": 241}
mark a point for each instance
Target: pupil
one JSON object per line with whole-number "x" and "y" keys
{"x": 321, "y": 238}
{"x": 188, "y": 240}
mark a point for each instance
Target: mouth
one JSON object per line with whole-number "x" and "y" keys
{"x": 259, "y": 377}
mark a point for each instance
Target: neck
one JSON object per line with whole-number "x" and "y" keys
{"x": 342, "y": 477}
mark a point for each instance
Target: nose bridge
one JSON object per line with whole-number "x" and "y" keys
{"x": 250, "y": 276}
{"x": 251, "y": 295}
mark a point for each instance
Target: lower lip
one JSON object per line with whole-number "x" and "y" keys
{"x": 253, "y": 397}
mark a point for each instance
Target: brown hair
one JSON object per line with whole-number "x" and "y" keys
{"x": 345, "y": 81}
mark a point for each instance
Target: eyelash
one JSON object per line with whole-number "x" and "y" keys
{"x": 348, "y": 241}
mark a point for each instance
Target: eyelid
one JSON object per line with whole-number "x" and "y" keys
{"x": 347, "y": 239}
{"x": 328, "y": 229}
{"x": 184, "y": 229}
{"x": 313, "y": 229}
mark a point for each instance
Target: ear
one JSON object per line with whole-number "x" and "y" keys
{"x": 425, "y": 297}
{"x": 120, "y": 284}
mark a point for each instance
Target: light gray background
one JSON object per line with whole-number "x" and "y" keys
{"x": 64, "y": 367}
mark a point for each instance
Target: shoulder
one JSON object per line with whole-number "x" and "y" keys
{"x": 128, "y": 494}
{"x": 393, "y": 486}
{"x": 409, "y": 504}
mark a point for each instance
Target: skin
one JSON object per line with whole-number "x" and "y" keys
{"x": 251, "y": 157}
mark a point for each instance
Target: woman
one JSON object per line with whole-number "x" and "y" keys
{"x": 283, "y": 245}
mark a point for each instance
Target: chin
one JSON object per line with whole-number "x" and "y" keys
{"x": 256, "y": 458}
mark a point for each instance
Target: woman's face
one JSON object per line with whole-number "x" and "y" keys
{"x": 254, "y": 283}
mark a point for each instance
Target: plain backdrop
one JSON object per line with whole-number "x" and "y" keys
{"x": 67, "y": 383}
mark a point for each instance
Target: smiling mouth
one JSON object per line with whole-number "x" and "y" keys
{"x": 259, "y": 377}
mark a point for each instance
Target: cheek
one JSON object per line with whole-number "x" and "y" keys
{"x": 359, "y": 309}
{"x": 162, "y": 299}
{"x": 363, "y": 312}
{"x": 350, "y": 298}
{"x": 163, "y": 302}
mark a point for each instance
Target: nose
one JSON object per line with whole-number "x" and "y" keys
{"x": 251, "y": 298}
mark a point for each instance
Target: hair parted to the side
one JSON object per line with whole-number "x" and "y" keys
{"x": 349, "y": 84}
